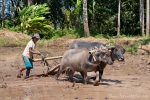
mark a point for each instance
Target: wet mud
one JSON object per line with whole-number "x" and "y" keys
{"x": 129, "y": 80}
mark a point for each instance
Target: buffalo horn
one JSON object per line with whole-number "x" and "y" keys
{"x": 110, "y": 47}
{"x": 93, "y": 50}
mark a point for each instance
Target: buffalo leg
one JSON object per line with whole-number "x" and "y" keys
{"x": 97, "y": 78}
{"x": 60, "y": 70}
{"x": 70, "y": 74}
{"x": 82, "y": 74}
{"x": 85, "y": 77}
{"x": 101, "y": 69}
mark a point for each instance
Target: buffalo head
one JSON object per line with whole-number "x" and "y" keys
{"x": 103, "y": 55}
{"x": 117, "y": 52}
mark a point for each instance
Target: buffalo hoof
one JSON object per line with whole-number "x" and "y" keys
{"x": 95, "y": 83}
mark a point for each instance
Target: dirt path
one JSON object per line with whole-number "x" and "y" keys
{"x": 129, "y": 80}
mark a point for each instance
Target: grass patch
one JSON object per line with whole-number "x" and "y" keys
{"x": 132, "y": 48}
{"x": 145, "y": 41}
{"x": 10, "y": 42}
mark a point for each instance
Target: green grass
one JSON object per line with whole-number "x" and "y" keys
{"x": 132, "y": 47}
{"x": 9, "y": 42}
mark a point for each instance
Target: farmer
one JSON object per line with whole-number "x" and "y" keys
{"x": 28, "y": 56}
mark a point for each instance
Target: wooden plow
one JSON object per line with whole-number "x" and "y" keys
{"x": 50, "y": 70}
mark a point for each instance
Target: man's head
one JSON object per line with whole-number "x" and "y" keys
{"x": 36, "y": 37}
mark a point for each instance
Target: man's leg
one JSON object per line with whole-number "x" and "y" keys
{"x": 29, "y": 65}
{"x": 20, "y": 72}
{"x": 27, "y": 74}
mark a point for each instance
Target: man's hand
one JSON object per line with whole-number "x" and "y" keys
{"x": 39, "y": 53}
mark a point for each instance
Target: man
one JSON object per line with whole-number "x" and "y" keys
{"x": 28, "y": 56}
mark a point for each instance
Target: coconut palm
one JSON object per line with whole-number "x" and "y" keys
{"x": 147, "y": 18}
{"x": 141, "y": 17}
{"x": 118, "y": 27}
{"x": 85, "y": 19}
{"x": 3, "y": 23}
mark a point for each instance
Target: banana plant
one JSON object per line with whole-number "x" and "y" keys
{"x": 32, "y": 18}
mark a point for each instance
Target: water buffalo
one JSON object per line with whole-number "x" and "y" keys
{"x": 83, "y": 61}
{"x": 117, "y": 52}
{"x": 89, "y": 45}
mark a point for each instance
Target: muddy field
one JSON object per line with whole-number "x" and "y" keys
{"x": 129, "y": 80}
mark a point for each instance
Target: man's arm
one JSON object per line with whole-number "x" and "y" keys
{"x": 33, "y": 52}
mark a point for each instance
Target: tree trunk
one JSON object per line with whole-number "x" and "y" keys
{"x": 142, "y": 17}
{"x": 93, "y": 12}
{"x": 85, "y": 19}
{"x": 28, "y": 2}
{"x": 3, "y": 22}
{"x": 118, "y": 27}
{"x": 147, "y": 17}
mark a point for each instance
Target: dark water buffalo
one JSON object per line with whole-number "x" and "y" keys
{"x": 89, "y": 45}
{"x": 117, "y": 52}
{"x": 83, "y": 61}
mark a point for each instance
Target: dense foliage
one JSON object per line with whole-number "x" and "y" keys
{"x": 66, "y": 17}
{"x": 33, "y": 20}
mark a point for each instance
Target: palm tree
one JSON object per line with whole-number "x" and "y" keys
{"x": 142, "y": 17}
{"x": 118, "y": 32}
{"x": 85, "y": 19}
{"x": 147, "y": 17}
{"x": 28, "y": 2}
{"x": 3, "y": 23}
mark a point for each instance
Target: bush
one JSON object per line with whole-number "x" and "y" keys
{"x": 59, "y": 33}
{"x": 145, "y": 41}
{"x": 133, "y": 48}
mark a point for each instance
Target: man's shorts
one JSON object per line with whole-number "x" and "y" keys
{"x": 27, "y": 62}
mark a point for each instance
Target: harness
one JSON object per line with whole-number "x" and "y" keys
{"x": 94, "y": 57}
